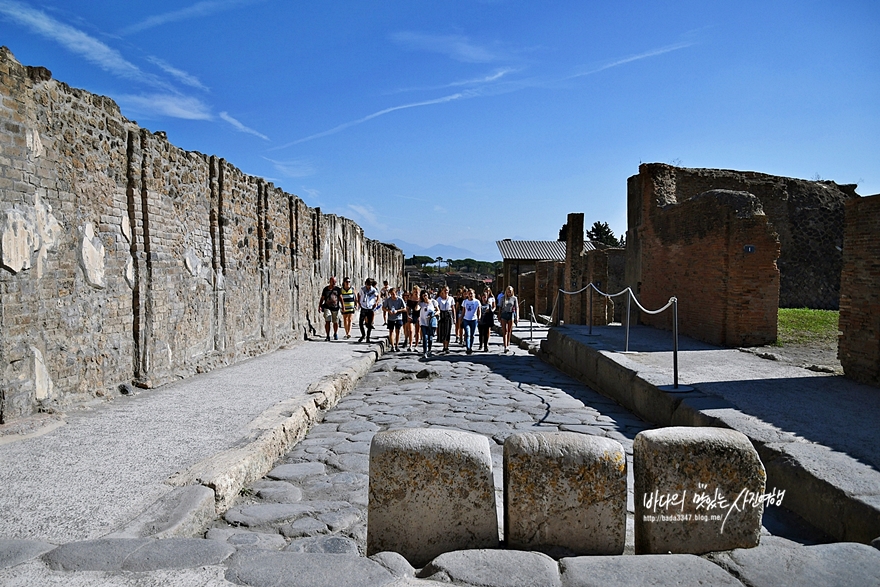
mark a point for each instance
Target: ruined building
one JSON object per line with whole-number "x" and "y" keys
{"x": 124, "y": 259}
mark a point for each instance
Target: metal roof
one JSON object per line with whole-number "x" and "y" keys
{"x": 536, "y": 250}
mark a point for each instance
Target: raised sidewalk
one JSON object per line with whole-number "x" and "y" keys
{"x": 816, "y": 433}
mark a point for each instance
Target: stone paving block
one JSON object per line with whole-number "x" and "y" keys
{"x": 270, "y": 513}
{"x": 564, "y": 493}
{"x": 277, "y": 491}
{"x": 670, "y": 570}
{"x": 431, "y": 491}
{"x": 296, "y": 471}
{"x": 306, "y": 526}
{"x": 782, "y": 563}
{"x": 395, "y": 563}
{"x": 177, "y": 553}
{"x": 247, "y": 539}
{"x": 292, "y": 569}
{"x": 494, "y": 568}
{"x": 137, "y": 554}
{"x": 697, "y": 490}
{"x": 329, "y": 544}
{"x": 13, "y": 552}
{"x": 103, "y": 554}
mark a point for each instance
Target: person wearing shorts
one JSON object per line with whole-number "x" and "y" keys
{"x": 509, "y": 308}
{"x": 347, "y": 294}
{"x": 395, "y": 310}
{"x": 329, "y": 306}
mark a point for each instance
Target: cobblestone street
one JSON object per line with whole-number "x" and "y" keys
{"x": 317, "y": 497}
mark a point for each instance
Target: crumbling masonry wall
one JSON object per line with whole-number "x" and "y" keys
{"x": 716, "y": 252}
{"x": 124, "y": 259}
{"x": 859, "y": 344}
{"x": 807, "y": 216}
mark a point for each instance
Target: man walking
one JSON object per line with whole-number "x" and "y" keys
{"x": 329, "y": 306}
{"x": 368, "y": 299}
{"x": 395, "y": 308}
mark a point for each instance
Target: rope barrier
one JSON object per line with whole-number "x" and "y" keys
{"x": 631, "y": 296}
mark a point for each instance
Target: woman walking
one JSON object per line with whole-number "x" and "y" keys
{"x": 428, "y": 311}
{"x": 509, "y": 316}
{"x": 487, "y": 319}
{"x": 412, "y": 305}
{"x": 348, "y": 295}
{"x": 470, "y": 315}
{"x": 446, "y": 306}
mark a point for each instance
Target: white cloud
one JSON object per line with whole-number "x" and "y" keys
{"x": 203, "y": 8}
{"x": 293, "y": 168}
{"x": 645, "y": 55}
{"x": 366, "y": 215}
{"x": 346, "y": 125}
{"x": 486, "y": 79}
{"x": 76, "y": 41}
{"x": 172, "y": 105}
{"x": 179, "y": 75}
{"x": 456, "y": 47}
{"x": 239, "y": 126}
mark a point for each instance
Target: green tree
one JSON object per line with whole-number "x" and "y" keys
{"x": 420, "y": 260}
{"x": 601, "y": 232}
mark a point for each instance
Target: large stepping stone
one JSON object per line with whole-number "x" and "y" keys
{"x": 494, "y": 568}
{"x": 670, "y": 570}
{"x": 292, "y": 569}
{"x": 697, "y": 490}
{"x": 781, "y": 563}
{"x": 431, "y": 491}
{"x": 564, "y": 493}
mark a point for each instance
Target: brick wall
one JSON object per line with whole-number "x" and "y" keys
{"x": 716, "y": 252}
{"x": 126, "y": 259}
{"x": 574, "y": 306}
{"x": 525, "y": 294}
{"x": 859, "y": 345}
{"x": 806, "y": 215}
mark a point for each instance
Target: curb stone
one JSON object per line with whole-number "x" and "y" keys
{"x": 273, "y": 434}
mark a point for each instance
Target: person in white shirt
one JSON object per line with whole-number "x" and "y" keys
{"x": 471, "y": 311}
{"x": 509, "y": 309}
{"x": 446, "y": 304}
{"x": 368, "y": 299}
{"x": 428, "y": 311}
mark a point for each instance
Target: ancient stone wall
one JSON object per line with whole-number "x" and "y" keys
{"x": 716, "y": 252}
{"x": 574, "y": 306}
{"x": 124, "y": 259}
{"x": 859, "y": 344}
{"x": 806, "y": 215}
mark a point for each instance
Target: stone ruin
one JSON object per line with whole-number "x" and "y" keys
{"x": 124, "y": 259}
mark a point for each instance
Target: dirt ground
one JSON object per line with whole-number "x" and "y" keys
{"x": 815, "y": 356}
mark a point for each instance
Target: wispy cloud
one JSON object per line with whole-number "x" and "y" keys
{"x": 239, "y": 126}
{"x": 457, "y": 47}
{"x": 76, "y": 41}
{"x": 293, "y": 168}
{"x": 173, "y": 105}
{"x": 625, "y": 60}
{"x": 198, "y": 9}
{"x": 486, "y": 79}
{"x": 491, "y": 85}
{"x": 180, "y": 75}
{"x": 366, "y": 215}
{"x": 346, "y": 125}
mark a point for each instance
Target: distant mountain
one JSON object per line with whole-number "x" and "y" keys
{"x": 477, "y": 250}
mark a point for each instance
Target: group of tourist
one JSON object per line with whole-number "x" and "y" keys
{"x": 421, "y": 314}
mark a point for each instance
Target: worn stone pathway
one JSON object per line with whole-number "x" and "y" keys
{"x": 317, "y": 497}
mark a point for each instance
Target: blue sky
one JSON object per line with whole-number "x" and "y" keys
{"x": 467, "y": 122}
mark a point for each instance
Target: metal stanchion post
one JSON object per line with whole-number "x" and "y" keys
{"x": 628, "y": 317}
{"x": 675, "y": 387}
{"x": 590, "y": 309}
